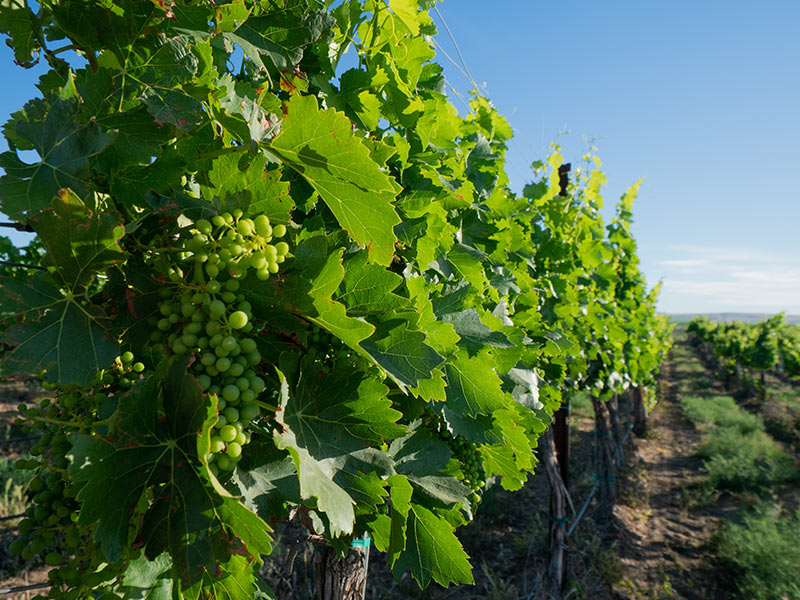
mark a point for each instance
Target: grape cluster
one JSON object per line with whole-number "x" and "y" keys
{"x": 465, "y": 455}
{"x": 209, "y": 319}
{"x": 50, "y": 529}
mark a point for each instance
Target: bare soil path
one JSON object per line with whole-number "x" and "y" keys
{"x": 666, "y": 526}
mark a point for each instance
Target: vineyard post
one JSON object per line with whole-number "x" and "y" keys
{"x": 561, "y": 423}
{"x": 342, "y": 577}
{"x": 605, "y": 466}
{"x": 639, "y": 411}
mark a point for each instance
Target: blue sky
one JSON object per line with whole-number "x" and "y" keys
{"x": 698, "y": 98}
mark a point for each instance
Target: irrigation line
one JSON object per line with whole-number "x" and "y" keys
{"x": 585, "y": 505}
{"x": 24, "y": 588}
{"x": 593, "y": 491}
{"x": 12, "y": 517}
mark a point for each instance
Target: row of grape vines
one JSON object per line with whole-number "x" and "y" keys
{"x": 272, "y": 287}
{"x": 771, "y": 345}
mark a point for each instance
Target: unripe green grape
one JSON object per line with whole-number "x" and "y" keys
{"x": 279, "y": 231}
{"x": 218, "y": 220}
{"x": 263, "y": 274}
{"x": 213, "y": 286}
{"x": 223, "y": 364}
{"x": 248, "y": 412}
{"x": 236, "y": 369}
{"x": 216, "y": 309}
{"x": 204, "y": 381}
{"x": 273, "y": 267}
{"x": 217, "y": 445}
{"x": 173, "y": 318}
{"x": 261, "y": 223}
{"x": 228, "y": 433}
{"x": 229, "y": 297}
{"x": 248, "y": 396}
{"x": 231, "y": 285}
{"x": 224, "y": 463}
{"x": 243, "y": 383}
{"x": 127, "y": 356}
{"x": 258, "y": 261}
{"x": 163, "y": 324}
{"x": 238, "y": 319}
{"x": 221, "y": 423}
{"x": 234, "y": 450}
{"x": 195, "y": 328}
{"x": 212, "y": 328}
{"x": 208, "y": 359}
{"x": 257, "y": 384}
{"x": 189, "y": 339}
{"x": 179, "y": 348}
{"x": 231, "y": 414}
{"x": 282, "y": 248}
{"x": 248, "y": 345}
{"x": 229, "y": 343}
{"x": 230, "y": 393}
{"x": 220, "y": 351}
{"x": 212, "y": 270}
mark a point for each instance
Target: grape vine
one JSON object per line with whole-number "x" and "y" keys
{"x": 272, "y": 286}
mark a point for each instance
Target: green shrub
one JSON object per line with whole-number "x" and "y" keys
{"x": 739, "y": 461}
{"x": 739, "y": 455}
{"x": 720, "y": 411}
{"x": 763, "y": 554}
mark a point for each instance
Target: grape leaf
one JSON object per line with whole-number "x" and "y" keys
{"x": 402, "y": 352}
{"x": 148, "y": 579}
{"x": 320, "y": 145}
{"x": 64, "y": 146}
{"x": 16, "y": 21}
{"x": 60, "y": 334}
{"x": 474, "y": 334}
{"x": 78, "y": 243}
{"x": 473, "y": 387}
{"x": 432, "y": 551}
{"x": 324, "y": 420}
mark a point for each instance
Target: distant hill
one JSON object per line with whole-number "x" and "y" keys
{"x": 725, "y": 317}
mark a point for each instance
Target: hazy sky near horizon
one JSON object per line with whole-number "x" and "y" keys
{"x": 699, "y": 99}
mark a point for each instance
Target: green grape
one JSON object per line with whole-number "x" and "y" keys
{"x": 230, "y": 393}
{"x": 234, "y": 450}
{"x": 127, "y": 357}
{"x": 238, "y": 319}
{"x": 279, "y": 230}
{"x": 228, "y": 433}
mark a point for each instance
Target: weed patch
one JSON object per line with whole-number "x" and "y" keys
{"x": 763, "y": 554}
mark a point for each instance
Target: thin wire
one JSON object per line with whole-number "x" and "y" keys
{"x": 24, "y": 588}
{"x": 458, "y": 51}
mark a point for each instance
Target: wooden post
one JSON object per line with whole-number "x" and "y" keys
{"x": 605, "y": 465}
{"x": 639, "y": 411}
{"x": 342, "y": 578}
{"x": 561, "y": 439}
{"x": 556, "y": 576}
{"x": 616, "y": 432}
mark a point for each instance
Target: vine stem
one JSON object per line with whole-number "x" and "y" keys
{"x": 17, "y": 226}
{"x": 9, "y": 263}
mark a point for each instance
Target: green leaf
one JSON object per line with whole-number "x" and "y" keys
{"x": 474, "y": 334}
{"x": 402, "y": 352}
{"x": 79, "y": 243}
{"x": 64, "y": 146}
{"x": 17, "y": 22}
{"x": 367, "y": 289}
{"x": 63, "y": 335}
{"x": 244, "y": 116}
{"x": 473, "y": 387}
{"x": 148, "y": 580}
{"x": 233, "y": 177}
{"x": 325, "y": 421}
{"x": 320, "y": 145}
{"x": 432, "y": 551}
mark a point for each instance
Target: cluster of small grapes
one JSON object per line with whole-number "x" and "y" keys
{"x": 208, "y": 318}
{"x": 466, "y": 454}
{"x": 50, "y": 527}
{"x": 463, "y": 453}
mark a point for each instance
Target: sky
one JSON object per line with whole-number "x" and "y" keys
{"x": 697, "y": 98}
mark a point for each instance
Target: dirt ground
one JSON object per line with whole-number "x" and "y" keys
{"x": 665, "y": 528}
